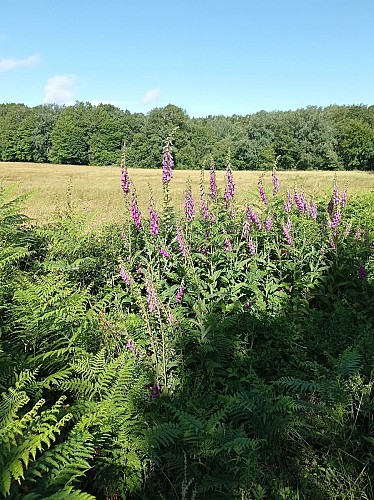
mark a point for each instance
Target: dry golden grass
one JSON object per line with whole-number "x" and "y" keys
{"x": 97, "y": 191}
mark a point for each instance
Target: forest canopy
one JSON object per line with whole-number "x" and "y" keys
{"x": 330, "y": 138}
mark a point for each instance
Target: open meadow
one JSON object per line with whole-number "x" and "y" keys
{"x": 97, "y": 190}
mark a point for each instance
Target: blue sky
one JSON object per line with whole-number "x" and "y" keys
{"x": 206, "y": 56}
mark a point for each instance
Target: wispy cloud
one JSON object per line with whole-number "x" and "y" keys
{"x": 60, "y": 89}
{"x": 151, "y": 96}
{"x": 11, "y": 63}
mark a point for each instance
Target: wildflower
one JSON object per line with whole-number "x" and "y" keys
{"x": 189, "y": 204}
{"x": 358, "y": 233}
{"x": 204, "y": 209}
{"x": 230, "y": 185}
{"x": 167, "y": 164}
{"x": 362, "y": 273}
{"x": 348, "y": 229}
{"x": 152, "y": 299}
{"x": 252, "y": 217}
{"x": 123, "y": 275}
{"x": 139, "y": 270}
{"x": 262, "y": 191}
{"x": 335, "y": 220}
{"x": 164, "y": 252}
{"x": 275, "y": 182}
{"x": 155, "y": 391}
{"x": 180, "y": 293}
{"x": 336, "y": 195}
{"x": 246, "y": 229}
{"x": 251, "y": 246}
{"x": 332, "y": 244}
{"x": 312, "y": 210}
{"x": 268, "y": 224}
{"x": 228, "y": 246}
{"x": 153, "y": 217}
{"x": 130, "y": 346}
{"x": 287, "y": 232}
{"x": 299, "y": 200}
{"x": 213, "y": 218}
{"x": 212, "y": 181}
{"x": 125, "y": 180}
{"x": 135, "y": 211}
{"x": 181, "y": 241}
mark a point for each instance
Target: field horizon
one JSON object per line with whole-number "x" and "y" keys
{"x": 52, "y": 188}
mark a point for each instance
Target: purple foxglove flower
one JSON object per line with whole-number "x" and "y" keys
{"x": 348, "y": 229}
{"x": 135, "y": 212}
{"x": 130, "y": 346}
{"x": 312, "y": 209}
{"x": 204, "y": 209}
{"x": 335, "y": 220}
{"x": 153, "y": 218}
{"x": 152, "y": 299}
{"x": 180, "y": 293}
{"x": 287, "y": 232}
{"x": 125, "y": 180}
{"x": 251, "y": 246}
{"x": 252, "y": 217}
{"x": 287, "y": 206}
{"x": 275, "y": 182}
{"x": 332, "y": 244}
{"x": 189, "y": 204}
{"x": 181, "y": 241}
{"x": 167, "y": 164}
{"x": 230, "y": 185}
{"x": 362, "y": 273}
{"x": 246, "y": 229}
{"x": 268, "y": 224}
{"x": 123, "y": 275}
{"x": 228, "y": 246}
{"x": 155, "y": 391}
{"x": 164, "y": 252}
{"x": 336, "y": 195}
{"x": 212, "y": 181}
{"x": 262, "y": 191}
{"x": 300, "y": 201}
{"x": 213, "y": 218}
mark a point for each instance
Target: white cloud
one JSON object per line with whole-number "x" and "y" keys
{"x": 151, "y": 96}
{"x": 59, "y": 89}
{"x": 11, "y": 63}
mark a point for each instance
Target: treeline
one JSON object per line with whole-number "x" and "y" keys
{"x": 330, "y": 138}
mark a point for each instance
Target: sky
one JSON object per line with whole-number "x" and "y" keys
{"x": 209, "y": 57}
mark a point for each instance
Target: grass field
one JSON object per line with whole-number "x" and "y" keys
{"x": 97, "y": 191}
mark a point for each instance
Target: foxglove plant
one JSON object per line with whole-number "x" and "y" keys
{"x": 268, "y": 224}
{"x": 262, "y": 191}
{"x": 287, "y": 231}
{"x": 299, "y": 200}
{"x": 180, "y": 293}
{"x": 152, "y": 298}
{"x": 252, "y": 217}
{"x": 212, "y": 181}
{"x": 135, "y": 212}
{"x": 275, "y": 182}
{"x": 230, "y": 185}
{"x": 125, "y": 180}
{"x": 167, "y": 163}
{"x": 334, "y": 223}
{"x": 124, "y": 275}
{"x": 251, "y": 246}
{"x": 153, "y": 217}
{"x": 189, "y": 203}
{"x": 181, "y": 240}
